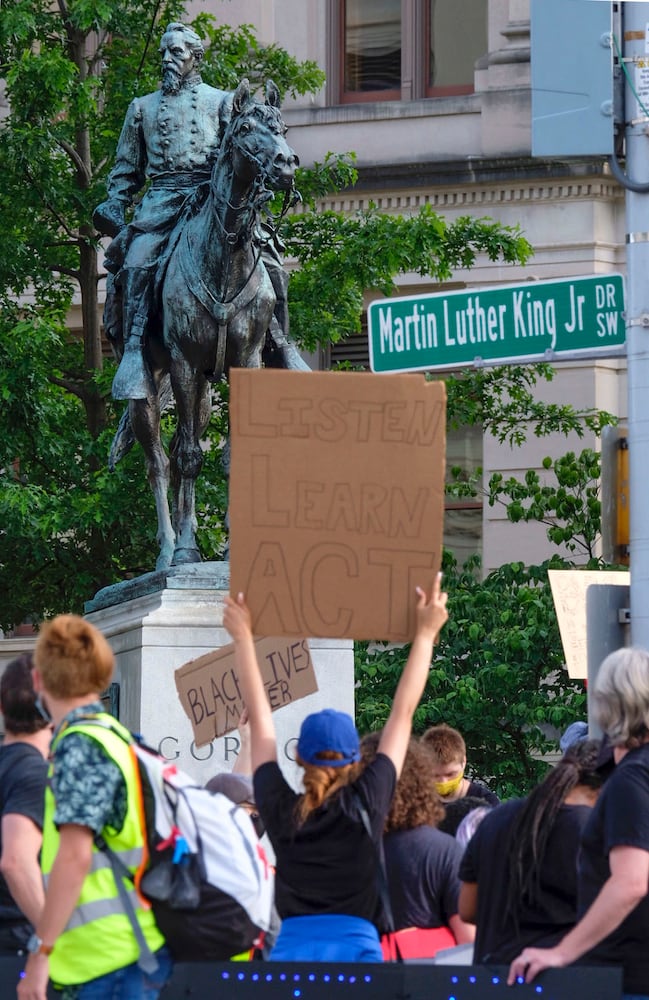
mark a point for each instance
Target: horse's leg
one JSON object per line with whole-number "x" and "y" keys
{"x": 145, "y": 420}
{"x": 247, "y": 330}
{"x": 192, "y": 407}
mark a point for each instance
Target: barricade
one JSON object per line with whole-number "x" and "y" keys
{"x": 388, "y": 981}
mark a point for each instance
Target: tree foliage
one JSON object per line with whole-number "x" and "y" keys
{"x": 498, "y": 673}
{"x": 67, "y": 526}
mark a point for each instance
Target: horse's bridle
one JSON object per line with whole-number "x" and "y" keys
{"x": 258, "y": 196}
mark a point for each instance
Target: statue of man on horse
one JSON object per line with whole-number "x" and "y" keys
{"x": 170, "y": 138}
{"x": 196, "y": 284}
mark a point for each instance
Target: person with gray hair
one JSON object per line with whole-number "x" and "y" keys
{"x": 613, "y": 877}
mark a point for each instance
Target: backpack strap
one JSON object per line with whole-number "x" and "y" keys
{"x": 381, "y": 874}
{"x": 147, "y": 960}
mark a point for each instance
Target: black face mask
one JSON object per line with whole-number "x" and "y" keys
{"x": 41, "y": 708}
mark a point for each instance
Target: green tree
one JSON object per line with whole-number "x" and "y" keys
{"x": 67, "y": 526}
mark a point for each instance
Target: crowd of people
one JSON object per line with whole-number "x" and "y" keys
{"x": 389, "y": 849}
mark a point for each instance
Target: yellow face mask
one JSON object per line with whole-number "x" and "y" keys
{"x": 446, "y": 788}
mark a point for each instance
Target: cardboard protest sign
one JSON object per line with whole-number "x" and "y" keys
{"x": 209, "y": 692}
{"x": 336, "y": 500}
{"x": 569, "y": 587}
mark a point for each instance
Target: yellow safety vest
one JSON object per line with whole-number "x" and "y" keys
{"x": 99, "y": 938}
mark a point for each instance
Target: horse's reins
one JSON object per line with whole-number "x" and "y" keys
{"x": 258, "y": 186}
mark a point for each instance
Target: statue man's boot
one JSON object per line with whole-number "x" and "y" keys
{"x": 133, "y": 379}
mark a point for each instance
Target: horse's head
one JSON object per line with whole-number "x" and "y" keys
{"x": 254, "y": 140}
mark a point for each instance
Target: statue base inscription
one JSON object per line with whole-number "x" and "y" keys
{"x": 156, "y": 629}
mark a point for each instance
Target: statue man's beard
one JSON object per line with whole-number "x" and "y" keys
{"x": 171, "y": 81}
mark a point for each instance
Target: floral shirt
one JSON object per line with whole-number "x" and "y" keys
{"x": 88, "y": 786}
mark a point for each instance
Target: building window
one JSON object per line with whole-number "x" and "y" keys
{"x": 372, "y": 47}
{"x": 463, "y": 518}
{"x": 393, "y": 50}
{"x": 457, "y": 38}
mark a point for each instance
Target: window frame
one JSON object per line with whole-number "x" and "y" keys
{"x": 415, "y": 27}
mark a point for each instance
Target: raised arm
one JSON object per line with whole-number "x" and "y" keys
{"x": 263, "y": 742}
{"x": 431, "y": 615}
{"x": 243, "y": 764}
{"x": 626, "y": 886}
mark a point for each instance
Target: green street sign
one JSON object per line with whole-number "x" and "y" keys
{"x": 558, "y": 320}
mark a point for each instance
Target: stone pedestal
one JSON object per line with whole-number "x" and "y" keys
{"x": 155, "y": 633}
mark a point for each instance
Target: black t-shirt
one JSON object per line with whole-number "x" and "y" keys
{"x": 479, "y": 791}
{"x": 328, "y": 864}
{"x": 23, "y": 775}
{"x": 620, "y": 818}
{"x": 422, "y": 866}
{"x": 554, "y": 911}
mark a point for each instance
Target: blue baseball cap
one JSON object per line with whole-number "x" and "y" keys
{"x": 328, "y": 730}
{"x": 575, "y": 732}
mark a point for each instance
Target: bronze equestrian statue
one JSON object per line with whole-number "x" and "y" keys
{"x": 194, "y": 277}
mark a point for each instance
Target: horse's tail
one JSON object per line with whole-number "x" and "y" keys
{"x": 125, "y": 435}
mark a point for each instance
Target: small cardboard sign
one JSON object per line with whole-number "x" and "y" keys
{"x": 209, "y": 691}
{"x": 336, "y": 500}
{"x": 569, "y": 587}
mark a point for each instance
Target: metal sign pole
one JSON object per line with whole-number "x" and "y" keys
{"x": 636, "y": 56}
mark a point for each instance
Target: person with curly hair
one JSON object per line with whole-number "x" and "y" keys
{"x": 326, "y": 887}
{"x": 519, "y": 871}
{"x": 422, "y": 863}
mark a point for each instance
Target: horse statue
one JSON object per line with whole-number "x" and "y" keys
{"x": 216, "y": 305}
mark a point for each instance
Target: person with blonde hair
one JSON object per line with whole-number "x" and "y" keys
{"x": 84, "y": 940}
{"x": 327, "y": 887}
{"x": 447, "y": 751}
{"x": 613, "y": 877}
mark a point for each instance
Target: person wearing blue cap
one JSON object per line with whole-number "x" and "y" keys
{"x": 326, "y": 885}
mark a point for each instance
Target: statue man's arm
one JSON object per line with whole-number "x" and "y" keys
{"x": 127, "y": 176}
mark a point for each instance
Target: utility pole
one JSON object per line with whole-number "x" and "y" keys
{"x": 635, "y": 37}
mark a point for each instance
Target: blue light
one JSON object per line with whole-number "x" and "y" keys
{"x": 341, "y": 978}
{"x": 454, "y": 979}
{"x": 539, "y": 989}
{"x": 282, "y": 976}
{"x": 269, "y": 977}
{"x": 255, "y": 977}
{"x": 520, "y": 979}
{"x": 297, "y": 993}
{"x": 352, "y": 979}
{"x": 296, "y": 977}
{"x": 367, "y": 979}
{"x": 495, "y": 980}
{"x": 225, "y": 975}
{"x": 472, "y": 979}
{"x": 311, "y": 977}
{"x": 241, "y": 976}
{"x": 451, "y": 997}
{"x": 326, "y": 978}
